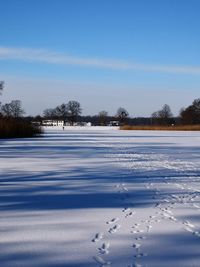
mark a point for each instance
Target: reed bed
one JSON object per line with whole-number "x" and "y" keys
{"x": 162, "y": 128}
{"x": 18, "y": 129}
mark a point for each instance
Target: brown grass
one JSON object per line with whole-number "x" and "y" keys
{"x": 162, "y": 128}
{"x": 18, "y": 129}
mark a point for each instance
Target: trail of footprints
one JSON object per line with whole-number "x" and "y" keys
{"x": 172, "y": 200}
{"x": 140, "y": 230}
{"x": 114, "y": 226}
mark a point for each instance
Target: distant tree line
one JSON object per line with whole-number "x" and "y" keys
{"x": 71, "y": 112}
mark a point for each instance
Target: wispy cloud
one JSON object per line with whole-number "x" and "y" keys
{"x": 49, "y": 57}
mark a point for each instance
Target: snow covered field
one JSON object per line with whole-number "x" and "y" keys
{"x": 100, "y": 197}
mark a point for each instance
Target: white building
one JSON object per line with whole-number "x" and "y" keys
{"x": 113, "y": 123}
{"x": 52, "y": 123}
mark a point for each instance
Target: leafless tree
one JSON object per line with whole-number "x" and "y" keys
{"x": 13, "y": 109}
{"x": 102, "y": 117}
{"x": 191, "y": 114}
{"x": 49, "y": 113}
{"x": 162, "y": 116}
{"x": 73, "y": 111}
{"x": 61, "y": 112}
{"x": 122, "y": 115}
{"x": 1, "y": 86}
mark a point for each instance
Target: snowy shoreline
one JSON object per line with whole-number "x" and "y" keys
{"x": 78, "y": 128}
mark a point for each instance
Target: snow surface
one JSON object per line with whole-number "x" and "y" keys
{"x": 100, "y": 197}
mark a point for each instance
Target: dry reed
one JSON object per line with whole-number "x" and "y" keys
{"x": 162, "y": 128}
{"x": 16, "y": 129}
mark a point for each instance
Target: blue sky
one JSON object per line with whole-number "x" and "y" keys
{"x": 139, "y": 54}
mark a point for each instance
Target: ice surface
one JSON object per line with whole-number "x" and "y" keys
{"x": 98, "y": 196}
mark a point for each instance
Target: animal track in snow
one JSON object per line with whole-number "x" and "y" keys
{"x": 172, "y": 218}
{"x": 136, "y": 246}
{"x": 188, "y": 229}
{"x": 196, "y": 233}
{"x": 139, "y": 255}
{"x": 157, "y": 205}
{"x": 135, "y": 265}
{"x": 140, "y": 238}
{"x": 188, "y": 224}
{"x": 112, "y": 221}
{"x": 196, "y": 206}
{"x": 126, "y": 210}
{"x": 136, "y": 225}
{"x": 97, "y": 237}
{"x": 149, "y": 228}
{"x": 102, "y": 262}
{"x": 104, "y": 248}
{"x": 130, "y": 214}
{"x": 114, "y": 229}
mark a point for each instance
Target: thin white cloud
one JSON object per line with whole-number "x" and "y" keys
{"x": 45, "y": 56}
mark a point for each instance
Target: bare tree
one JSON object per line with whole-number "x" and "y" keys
{"x": 191, "y": 115}
{"x": 162, "y": 116}
{"x": 102, "y": 117}
{"x": 17, "y": 109}
{"x": 13, "y": 109}
{"x": 196, "y": 105}
{"x": 61, "y": 112}
{"x": 1, "y": 89}
{"x": 165, "y": 112}
{"x": 49, "y": 113}
{"x": 1, "y": 86}
{"x": 73, "y": 111}
{"x": 6, "y": 110}
{"x": 122, "y": 115}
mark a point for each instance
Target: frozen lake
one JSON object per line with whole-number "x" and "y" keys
{"x": 100, "y": 197}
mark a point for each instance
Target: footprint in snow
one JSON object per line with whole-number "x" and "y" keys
{"x": 172, "y": 218}
{"x": 126, "y": 210}
{"x": 152, "y": 216}
{"x": 196, "y": 233}
{"x": 114, "y": 229}
{"x": 137, "y": 231}
{"x": 188, "y": 224}
{"x": 140, "y": 255}
{"x": 157, "y": 205}
{"x": 166, "y": 215}
{"x": 196, "y": 206}
{"x": 166, "y": 200}
{"x": 137, "y": 246}
{"x": 104, "y": 248}
{"x": 136, "y": 225}
{"x": 130, "y": 214}
{"x": 149, "y": 227}
{"x": 114, "y": 220}
{"x": 102, "y": 262}
{"x": 135, "y": 265}
{"x": 97, "y": 237}
{"x": 188, "y": 229}
{"x": 140, "y": 238}
{"x": 125, "y": 188}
